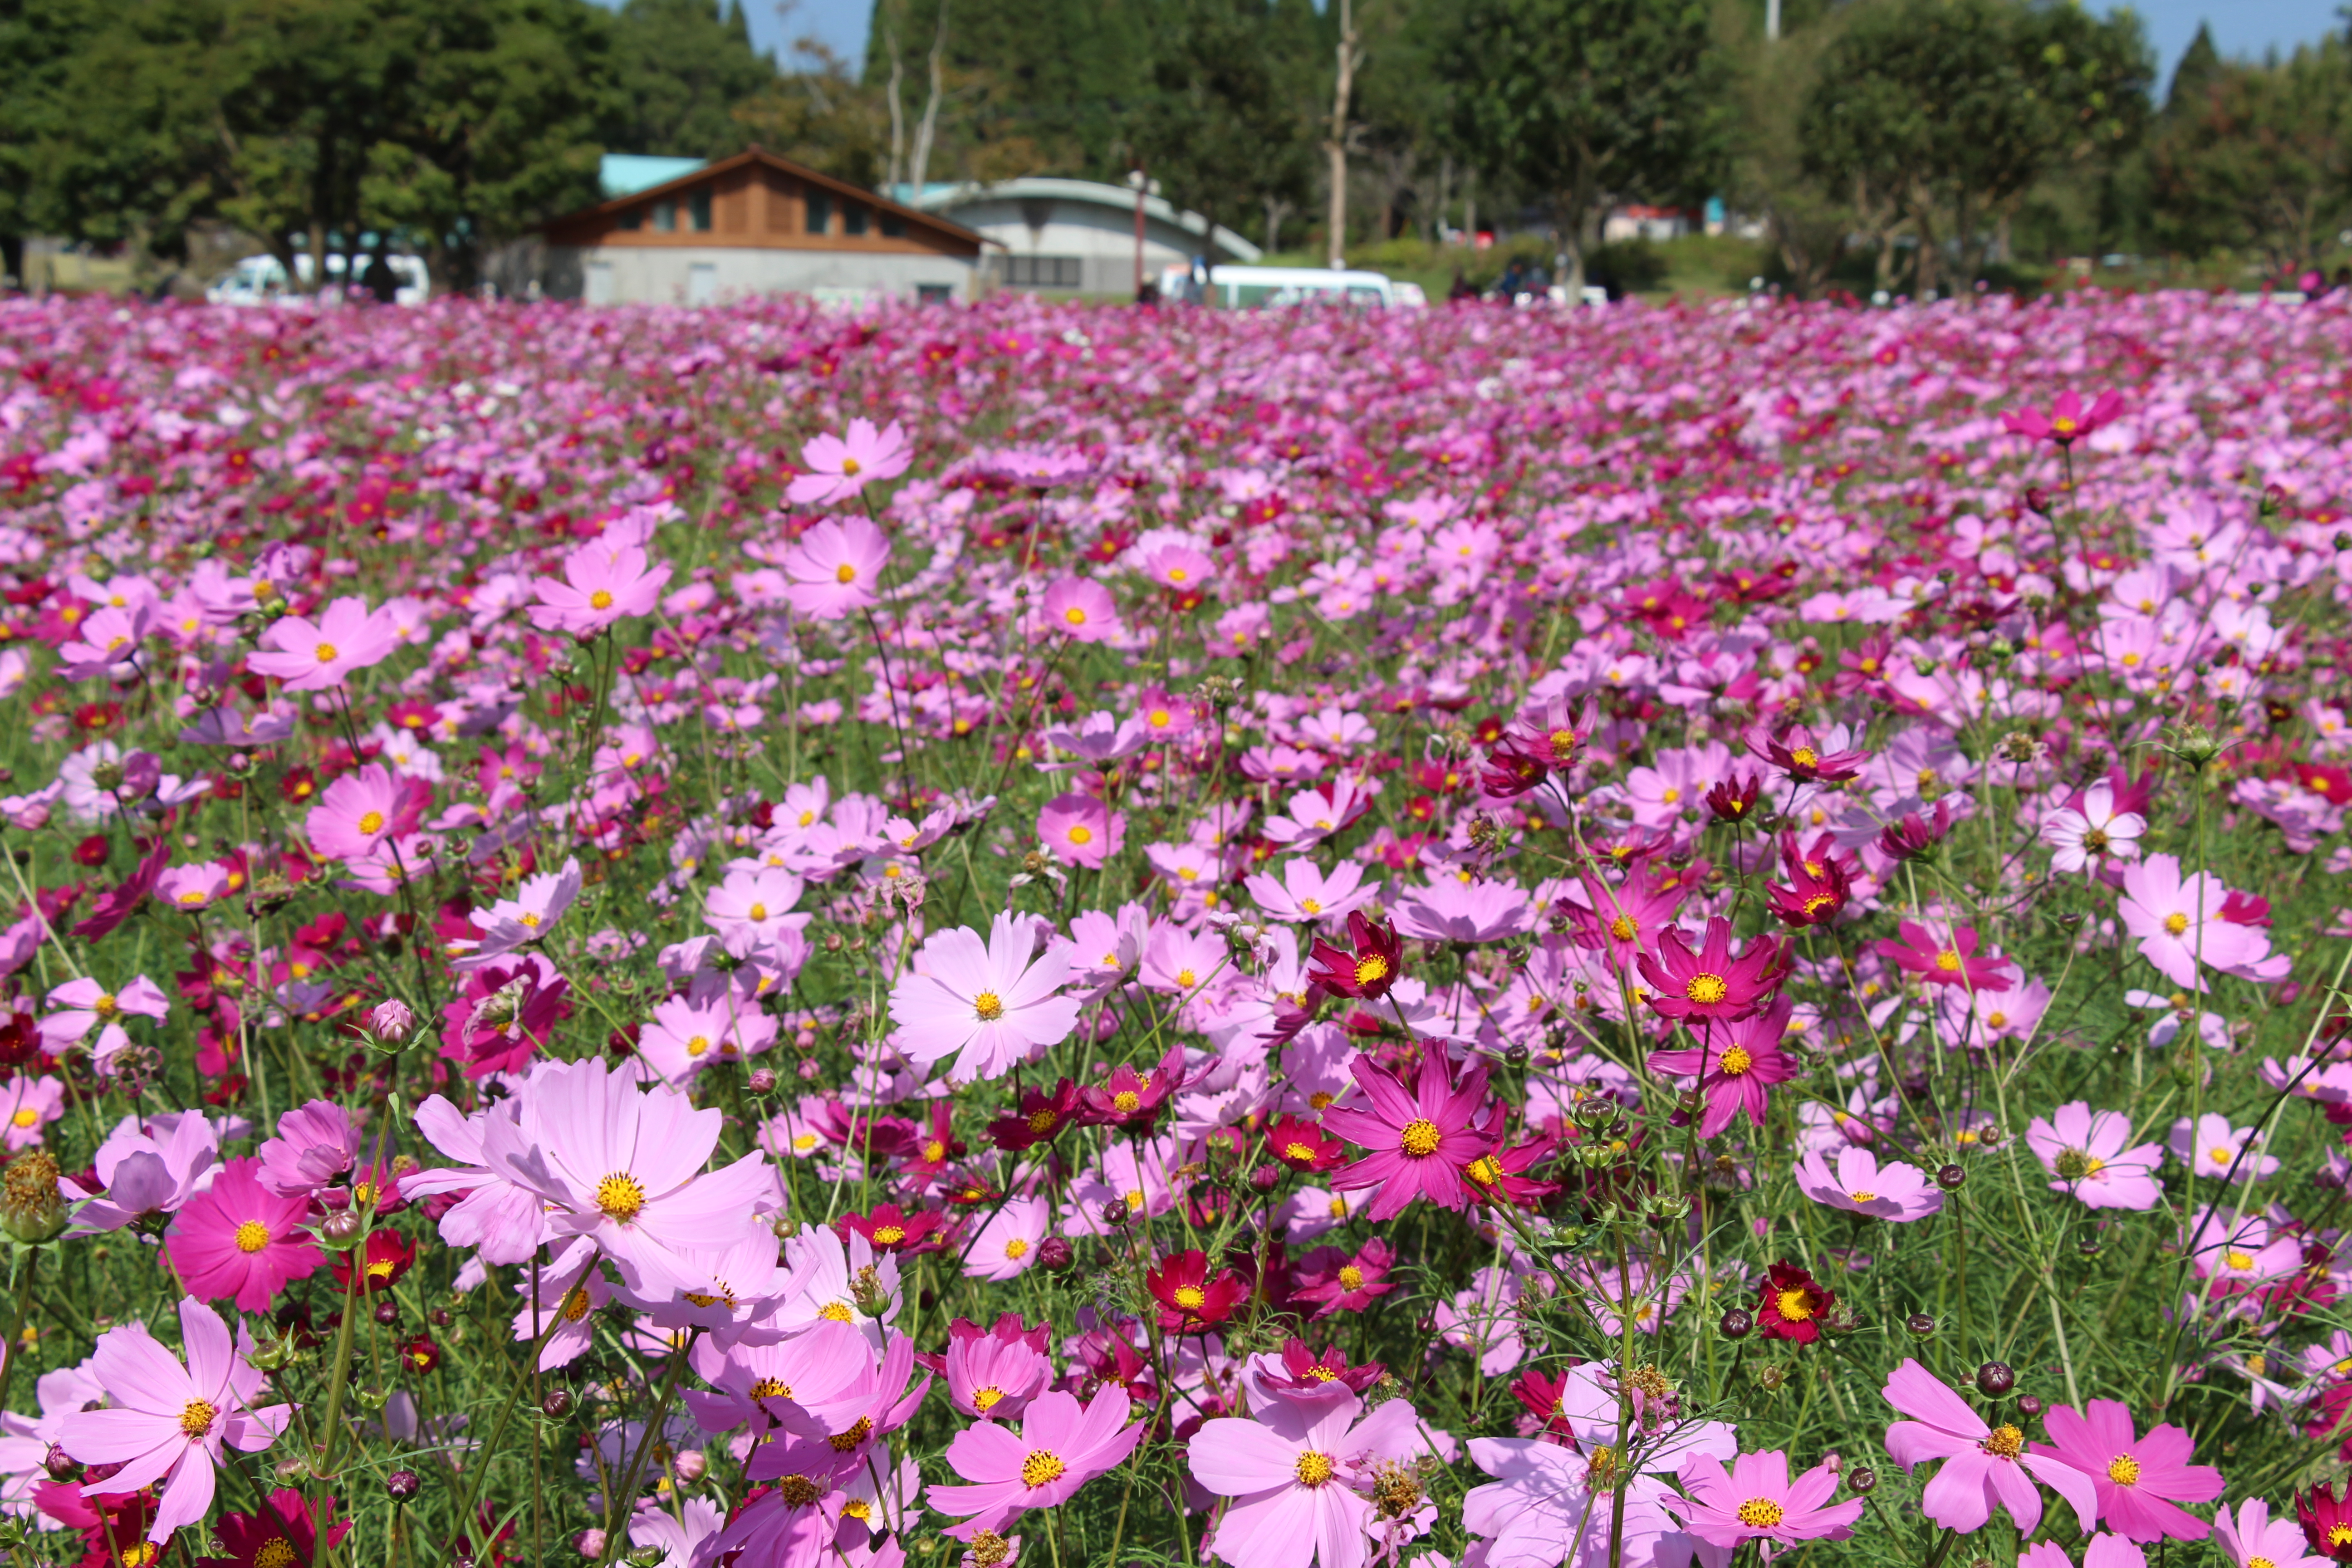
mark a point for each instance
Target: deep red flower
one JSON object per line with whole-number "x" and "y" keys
{"x": 1303, "y": 1371}
{"x": 1040, "y": 1118}
{"x": 1377, "y": 962}
{"x": 1131, "y": 1099}
{"x": 1733, "y": 799}
{"x": 1810, "y": 899}
{"x": 387, "y": 1257}
{"x": 1710, "y": 984}
{"x": 1913, "y": 835}
{"x": 2326, "y": 1521}
{"x": 1792, "y": 1306}
{"x": 1190, "y": 1301}
{"x": 1342, "y": 1283}
{"x": 280, "y": 1535}
{"x": 890, "y": 1229}
{"x": 1793, "y": 752}
{"x": 420, "y": 1352}
{"x": 1541, "y": 1396}
{"x": 1511, "y": 771}
{"x": 1498, "y": 1174}
{"x": 1303, "y": 1146}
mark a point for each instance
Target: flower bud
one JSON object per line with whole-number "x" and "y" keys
{"x": 32, "y": 1210}
{"x": 1951, "y": 1178}
{"x": 1989, "y": 1137}
{"x": 1737, "y": 1323}
{"x": 1054, "y": 1253}
{"x": 1772, "y": 1379}
{"x": 1116, "y": 1214}
{"x": 761, "y": 1080}
{"x": 340, "y": 1230}
{"x": 1860, "y": 1480}
{"x": 590, "y": 1542}
{"x": 690, "y": 1465}
{"x": 1919, "y": 1326}
{"x": 372, "y": 1398}
{"x": 392, "y": 1022}
{"x": 1263, "y": 1177}
{"x": 1995, "y": 1379}
{"x": 2029, "y": 1405}
{"x": 387, "y": 1311}
{"x": 59, "y": 1464}
{"x": 557, "y": 1404}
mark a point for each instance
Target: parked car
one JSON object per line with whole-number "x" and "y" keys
{"x": 1262, "y": 287}
{"x": 261, "y": 279}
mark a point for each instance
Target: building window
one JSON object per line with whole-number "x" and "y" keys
{"x": 697, "y": 210}
{"x": 893, "y": 226}
{"x": 820, "y": 212}
{"x": 934, "y": 293}
{"x": 634, "y": 219}
{"x": 853, "y": 217}
{"x": 1045, "y": 272}
{"x": 665, "y": 215}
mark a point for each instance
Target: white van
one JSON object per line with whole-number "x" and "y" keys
{"x": 261, "y": 279}
{"x": 1262, "y": 287}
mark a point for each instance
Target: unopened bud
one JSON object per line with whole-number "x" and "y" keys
{"x": 1860, "y": 1480}
{"x": 557, "y": 1404}
{"x": 1995, "y": 1379}
{"x": 2029, "y": 1405}
{"x": 1951, "y": 1178}
{"x": 392, "y": 1022}
{"x": 340, "y": 1230}
{"x": 1054, "y": 1253}
{"x": 760, "y": 1082}
{"x": 1737, "y": 1323}
{"x": 59, "y": 1464}
{"x": 1919, "y": 1326}
{"x": 690, "y": 1465}
{"x": 1116, "y": 1214}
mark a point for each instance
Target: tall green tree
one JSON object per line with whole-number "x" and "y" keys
{"x": 684, "y": 66}
{"x": 1590, "y": 102}
{"x": 1223, "y": 125}
{"x": 2259, "y": 157}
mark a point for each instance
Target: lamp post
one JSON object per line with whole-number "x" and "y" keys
{"x": 1135, "y": 178}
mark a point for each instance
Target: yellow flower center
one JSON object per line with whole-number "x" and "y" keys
{"x": 1421, "y": 1137}
{"x": 890, "y": 1234}
{"x": 1795, "y": 1305}
{"x": 276, "y": 1553}
{"x": 1371, "y": 968}
{"x": 1190, "y": 1297}
{"x": 252, "y": 1235}
{"x": 1806, "y": 757}
{"x": 756, "y": 913}
{"x": 106, "y": 1006}
{"x": 2005, "y": 1442}
{"x": 697, "y": 1046}
{"x": 1016, "y": 1250}
{"x": 851, "y": 467}
{"x": 196, "y": 1417}
{"x": 1707, "y": 989}
{"x": 1314, "y": 1468}
{"x": 1483, "y": 1170}
{"x": 1735, "y": 1060}
{"x": 1624, "y": 927}
{"x": 1126, "y": 1102}
{"x": 2123, "y": 1470}
{"x": 1043, "y": 1121}
{"x": 1074, "y": 616}
{"x": 1761, "y": 1513}
{"x": 988, "y": 1007}
{"x": 799, "y": 1491}
{"x": 372, "y": 822}
{"x": 1082, "y": 834}
{"x": 2176, "y": 923}
{"x": 28, "y": 1117}
{"x": 861, "y": 1429}
{"x": 619, "y": 1197}
{"x": 326, "y": 651}
{"x": 1351, "y": 1278}
{"x": 1040, "y": 1467}
{"x": 1861, "y": 1197}
{"x": 575, "y": 1305}
{"x": 1949, "y": 961}
{"x": 845, "y": 573}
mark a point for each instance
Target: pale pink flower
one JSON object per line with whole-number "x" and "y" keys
{"x": 1060, "y": 1447}
{"x": 840, "y": 467}
{"x": 603, "y": 583}
{"x": 313, "y": 655}
{"x": 835, "y": 568}
{"x": 1857, "y": 1182}
{"x": 1300, "y": 1474}
{"x": 988, "y": 1000}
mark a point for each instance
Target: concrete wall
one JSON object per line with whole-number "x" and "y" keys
{"x": 1101, "y": 238}
{"x": 706, "y": 275}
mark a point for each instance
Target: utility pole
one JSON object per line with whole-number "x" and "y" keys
{"x": 1336, "y": 147}
{"x": 1135, "y": 177}
{"x": 1771, "y": 19}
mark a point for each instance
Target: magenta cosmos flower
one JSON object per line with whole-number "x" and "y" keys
{"x": 312, "y": 655}
{"x": 2068, "y": 421}
{"x": 835, "y": 568}
{"x": 170, "y": 1421}
{"x": 986, "y": 1000}
{"x": 1420, "y": 1138}
{"x": 1858, "y": 1182}
{"x": 1735, "y": 1067}
{"x": 842, "y": 466}
{"x": 2091, "y": 1154}
{"x": 1949, "y": 960}
{"x": 361, "y": 810}
{"x": 2252, "y": 1536}
{"x": 1299, "y": 1474}
{"x": 1984, "y": 1467}
{"x": 2184, "y": 923}
{"x": 1710, "y": 985}
{"x": 2139, "y": 1480}
{"x": 1079, "y": 610}
{"x": 1060, "y": 1447}
{"x": 601, "y": 584}
{"x": 1755, "y": 1500}
{"x": 238, "y": 1238}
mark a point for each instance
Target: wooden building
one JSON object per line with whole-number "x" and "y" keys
{"x": 755, "y": 223}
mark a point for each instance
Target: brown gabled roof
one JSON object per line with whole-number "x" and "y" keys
{"x": 755, "y": 154}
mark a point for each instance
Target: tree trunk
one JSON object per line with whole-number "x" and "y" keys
{"x": 897, "y": 116}
{"x": 1470, "y": 209}
{"x": 1276, "y": 209}
{"x": 1336, "y": 147}
{"x": 929, "y": 127}
{"x": 1438, "y": 225}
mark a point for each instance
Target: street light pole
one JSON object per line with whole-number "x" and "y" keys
{"x": 1135, "y": 177}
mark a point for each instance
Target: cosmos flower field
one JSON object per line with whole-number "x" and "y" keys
{"x": 1051, "y": 934}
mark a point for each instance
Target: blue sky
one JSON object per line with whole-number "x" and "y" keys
{"x": 2240, "y": 26}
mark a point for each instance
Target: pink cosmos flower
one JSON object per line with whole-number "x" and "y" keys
{"x": 1950, "y": 959}
{"x": 87, "y": 1007}
{"x": 360, "y": 811}
{"x": 170, "y": 1421}
{"x": 147, "y": 1169}
{"x": 528, "y": 917}
{"x": 1080, "y": 610}
{"x": 2184, "y": 923}
{"x": 1006, "y": 1246}
{"x": 1303, "y": 893}
{"x": 238, "y": 1238}
{"x": 1737, "y": 1063}
{"x": 988, "y": 1000}
{"x": 2082, "y": 839}
{"x": 1081, "y": 829}
{"x": 1298, "y": 1473}
{"x": 685, "y": 1037}
{"x": 2213, "y": 1148}
{"x": 839, "y": 467}
{"x": 1340, "y": 1283}
{"x": 993, "y": 1375}
{"x": 2140, "y": 1480}
{"x": 1060, "y": 1447}
{"x": 2092, "y": 1156}
{"x": 2068, "y": 421}
{"x": 1860, "y": 1184}
{"x": 1755, "y": 1500}
{"x": 2103, "y": 1551}
{"x": 1180, "y": 567}
{"x": 316, "y": 656}
{"x": 2248, "y": 1535}
{"x": 1420, "y": 1138}
{"x": 1984, "y": 1467}
{"x": 835, "y": 568}
{"x": 315, "y": 1143}
{"x": 751, "y": 910}
{"x": 495, "y": 1213}
{"x": 603, "y": 583}
{"x": 1708, "y": 985}
{"x": 193, "y": 887}
{"x": 27, "y": 1105}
